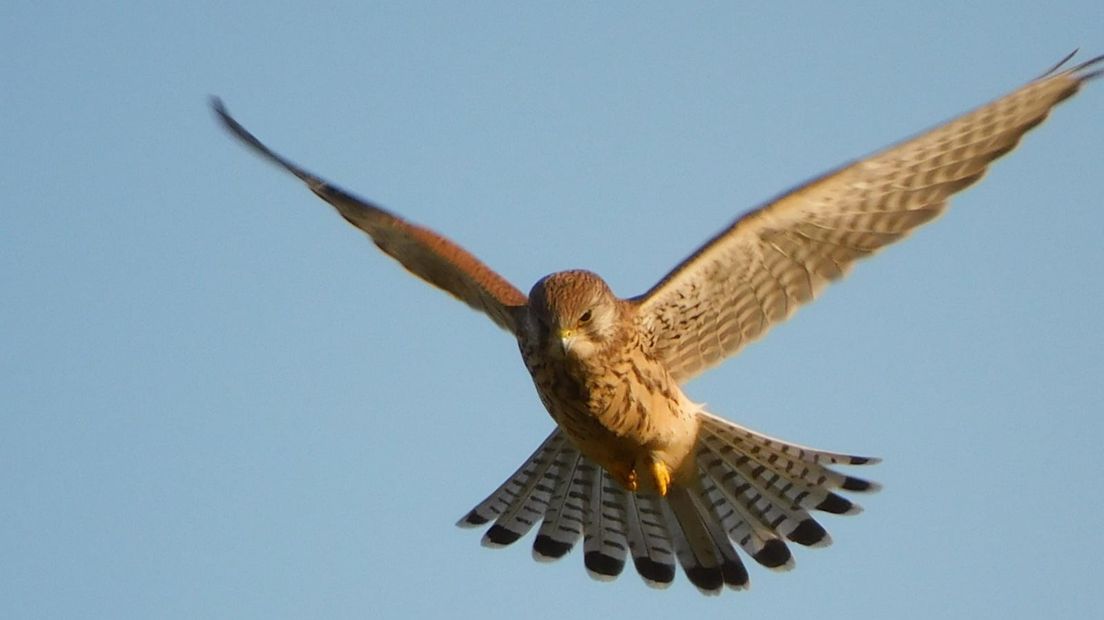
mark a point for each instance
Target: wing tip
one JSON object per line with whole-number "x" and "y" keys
{"x": 1077, "y": 71}
{"x": 239, "y": 131}
{"x": 1058, "y": 65}
{"x": 216, "y": 104}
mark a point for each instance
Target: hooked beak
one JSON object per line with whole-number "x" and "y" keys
{"x": 567, "y": 338}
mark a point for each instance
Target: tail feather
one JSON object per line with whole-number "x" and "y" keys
{"x": 752, "y": 491}
{"x": 510, "y": 492}
{"x": 605, "y": 543}
{"x": 696, "y": 550}
{"x": 733, "y": 572}
{"x": 742, "y": 519}
{"x": 563, "y": 522}
{"x": 778, "y": 503}
{"x": 521, "y": 501}
{"x": 803, "y": 483}
{"x": 649, "y": 540}
{"x": 789, "y": 460}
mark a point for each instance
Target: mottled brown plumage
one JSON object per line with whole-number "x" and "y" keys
{"x": 616, "y": 402}
{"x": 634, "y": 466}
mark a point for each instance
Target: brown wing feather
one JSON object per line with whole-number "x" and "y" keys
{"x": 423, "y": 252}
{"x": 759, "y": 270}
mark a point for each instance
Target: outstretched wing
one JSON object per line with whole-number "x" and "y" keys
{"x": 752, "y": 492}
{"x": 423, "y": 252}
{"x": 759, "y": 270}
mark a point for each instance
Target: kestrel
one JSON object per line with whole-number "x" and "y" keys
{"x": 634, "y": 467}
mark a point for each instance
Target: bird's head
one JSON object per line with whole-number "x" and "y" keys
{"x": 574, "y": 313}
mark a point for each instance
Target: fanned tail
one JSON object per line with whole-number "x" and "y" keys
{"x": 753, "y": 492}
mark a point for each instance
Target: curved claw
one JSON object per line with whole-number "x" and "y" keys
{"x": 662, "y": 477}
{"x": 625, "y": 476}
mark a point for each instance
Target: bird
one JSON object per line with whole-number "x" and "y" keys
{"x": 634, "y": 468}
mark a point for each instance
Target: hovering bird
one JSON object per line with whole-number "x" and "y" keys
{"x": 634, "y": 467}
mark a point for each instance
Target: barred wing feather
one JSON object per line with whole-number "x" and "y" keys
{"x": 759, "y": 270}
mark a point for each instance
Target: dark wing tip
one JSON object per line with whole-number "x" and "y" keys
{"x": 1077, "y": 71}
{"x": 1060, "y": 63}
{"x": 234, "y": 127}
{"x": 216, "y": 105}
{"x": 1090, "y": 75}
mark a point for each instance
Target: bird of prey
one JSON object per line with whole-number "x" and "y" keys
{"x": 634, "y": 467}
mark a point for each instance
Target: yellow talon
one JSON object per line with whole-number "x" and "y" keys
{"x": 625, "y": 476}
{"x": 630, "y": 480}
{"x": 662, "y": 477}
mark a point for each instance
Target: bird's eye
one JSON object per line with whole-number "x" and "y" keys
{"x": 585, "y": 317}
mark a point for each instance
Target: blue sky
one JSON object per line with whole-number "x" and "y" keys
{"x": 219, "y": 400}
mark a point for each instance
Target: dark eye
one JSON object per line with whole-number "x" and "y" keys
{"x": 584, "y": 317}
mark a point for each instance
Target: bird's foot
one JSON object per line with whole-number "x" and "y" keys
{"x": 662, "y": 477}
{"x": 625, "y": 475}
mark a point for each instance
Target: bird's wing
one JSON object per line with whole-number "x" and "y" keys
{"x": 424, "y": 253}
{"x": 756, "y": 272}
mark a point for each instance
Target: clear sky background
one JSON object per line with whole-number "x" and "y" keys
{"x": 219, "y": 400}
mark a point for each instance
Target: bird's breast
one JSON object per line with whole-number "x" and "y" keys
{"x": 615, "y": 407}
